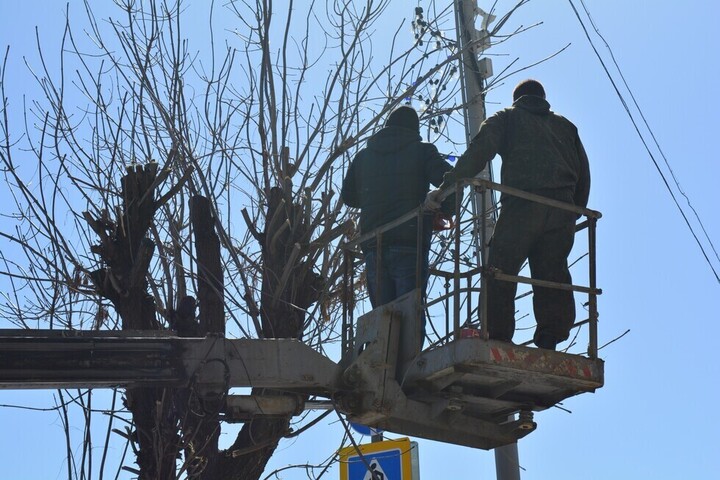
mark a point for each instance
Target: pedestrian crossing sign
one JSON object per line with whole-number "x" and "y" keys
{"x": 386, "y": 460}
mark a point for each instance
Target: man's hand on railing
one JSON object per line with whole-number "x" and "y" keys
{"x": 433, "y": 200}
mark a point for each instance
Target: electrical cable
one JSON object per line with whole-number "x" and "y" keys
{"x": 355, "y": 445}
{"x": 647, "y": 148}
{"x": 652, "y": 134}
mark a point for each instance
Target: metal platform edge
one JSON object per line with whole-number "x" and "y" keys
{"x": 527, "y": 364}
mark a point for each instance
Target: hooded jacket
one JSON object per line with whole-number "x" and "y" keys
{"x": 390, "y": 177}
{"x": 541, "y": 152}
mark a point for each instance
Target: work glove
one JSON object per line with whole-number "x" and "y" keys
{"x": 432, "y": 201}
{"x": 442, "y": 221}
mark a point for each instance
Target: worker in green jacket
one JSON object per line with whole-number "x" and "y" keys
{"x": 541, "y": 153}
{"x": 388, "y": 178}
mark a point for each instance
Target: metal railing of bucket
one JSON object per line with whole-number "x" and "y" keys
{"x": 455, "y": 295}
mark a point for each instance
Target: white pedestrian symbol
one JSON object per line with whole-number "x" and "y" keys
{"x": 375, "y": 472}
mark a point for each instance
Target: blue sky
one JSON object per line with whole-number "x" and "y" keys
{"x": 655, "y": 417}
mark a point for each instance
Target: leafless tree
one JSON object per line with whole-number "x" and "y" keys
{"x": 152, "y": 176}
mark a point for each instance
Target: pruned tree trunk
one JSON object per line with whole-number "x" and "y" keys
{"x": 210, "y": 288}
{"x": 201, "y": 425}
{"x": 289, "y": 286}
{"x": 125, "y": 253}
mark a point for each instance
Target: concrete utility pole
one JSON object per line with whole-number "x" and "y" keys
{"x": 473, "y": 72}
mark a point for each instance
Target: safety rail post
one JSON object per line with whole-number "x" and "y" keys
{"x": 456, "y": 261}
{"x": 447, "y": 304}
{"x": 346, "y": 327}
{"x": 351, "y": 317}
{"x": 468, "y": 300}
{"x": 592, "y": 297}
{"x": 419, "y": 249}
{"x": 482, "y": 307}
{"x": 348, "y": 315}
{"x": 378, "y": 263}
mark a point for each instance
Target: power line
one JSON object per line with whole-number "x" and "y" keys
{"x": 644, "y": 142}
{"x": 652, "y": 134}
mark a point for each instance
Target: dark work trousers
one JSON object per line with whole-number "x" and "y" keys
{"x": 544, "y": 236}
{"x": 397, "y": 276}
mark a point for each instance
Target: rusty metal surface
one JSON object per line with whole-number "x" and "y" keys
{"x": 496, "y": 378}
{"x": 527, "y": 361}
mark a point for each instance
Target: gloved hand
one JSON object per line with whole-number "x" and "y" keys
{"x": 432, "y": 201}
{"x": 442, "y": 221}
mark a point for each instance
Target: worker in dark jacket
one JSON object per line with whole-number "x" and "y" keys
{"x": 387, "y": 179}
{"x": 541, "y": 153}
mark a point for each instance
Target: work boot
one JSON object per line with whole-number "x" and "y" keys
{"x": 546, "y": 341}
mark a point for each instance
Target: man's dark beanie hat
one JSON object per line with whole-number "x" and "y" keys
{"x": 529, "y": 87}
{"x": 405, "y": 117}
